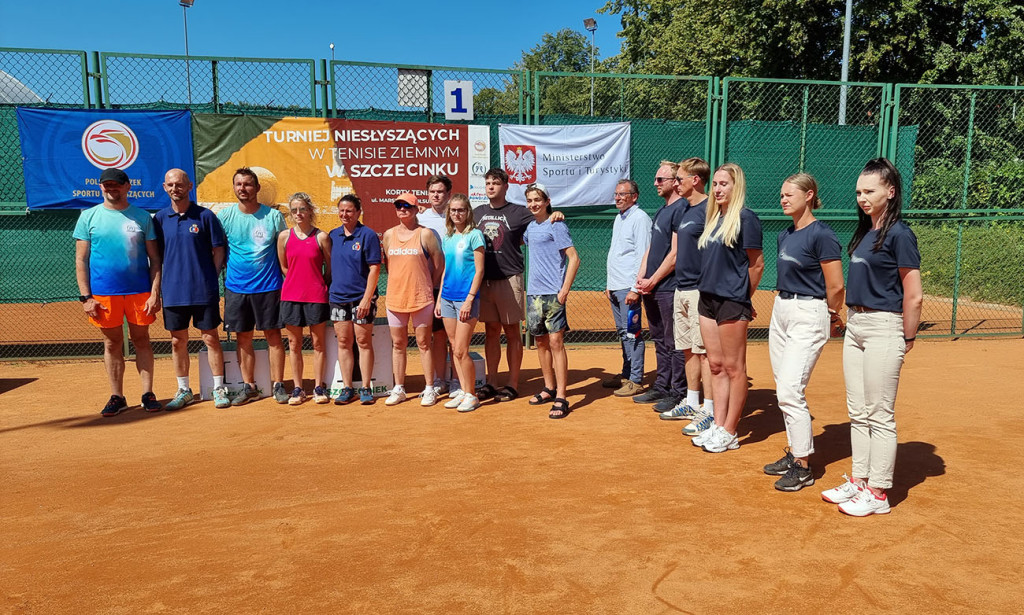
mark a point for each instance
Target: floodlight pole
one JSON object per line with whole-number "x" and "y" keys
{"x": 846, "y": 62}
{"x": 591, "y": 25}
{"x": 188, "y": 68}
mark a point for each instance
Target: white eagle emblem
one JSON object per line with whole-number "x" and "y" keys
{"x": 521, "y": 164}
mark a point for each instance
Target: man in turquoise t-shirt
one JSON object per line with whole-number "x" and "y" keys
{"x": 252, "y": 284}
{"x": 117, "y": 265}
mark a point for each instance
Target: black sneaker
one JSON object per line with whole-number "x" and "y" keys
{"x": 149, "y": 402}
{"x": 650, "y": 397}
{"x": 796, "y": 478}
{"x": 667, "y": 403}
{"x": 780, "y": 467}
{"x": 115, "y": 406}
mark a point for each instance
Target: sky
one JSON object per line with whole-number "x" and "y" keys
{"x": 461, "y": 34}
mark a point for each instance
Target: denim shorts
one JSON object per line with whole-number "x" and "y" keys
{"x": 450, "y": 309}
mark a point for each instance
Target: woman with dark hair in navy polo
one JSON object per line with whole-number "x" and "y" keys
{"x": 884, "y": 296}
{"x": 355, "y": 267}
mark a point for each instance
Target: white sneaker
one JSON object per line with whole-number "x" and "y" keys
{"x": 843, "y": 493}
{"x": 701, "y": 423}
{"x": 469, "y": 403}
{"x": 440, "y": 386}
{"x": 455, "y": 401}
{"x": 721, "y": 441}
{"x": 429, "y": 396}
{"x": 455, "y": 390}
{"x": 705, "y": 435}
{"x": 865, "y": 503}
{"x": 397, "y": 395}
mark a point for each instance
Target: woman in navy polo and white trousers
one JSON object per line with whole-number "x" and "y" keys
{"x": 810, "y": 285}
{"x": 884, "y": 296}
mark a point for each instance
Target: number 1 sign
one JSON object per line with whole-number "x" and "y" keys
{"x": 458, "y": 100}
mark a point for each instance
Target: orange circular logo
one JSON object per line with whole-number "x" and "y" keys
{"x": 109, "y": 144}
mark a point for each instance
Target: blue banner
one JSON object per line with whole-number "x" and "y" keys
{"x": 64, "y": 153}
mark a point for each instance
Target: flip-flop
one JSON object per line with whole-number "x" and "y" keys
{"x": 506, "y": 393}
{"x": 561, "y": 406}
{"x": 538, "y": 399}
{"x": 485, "y": 392}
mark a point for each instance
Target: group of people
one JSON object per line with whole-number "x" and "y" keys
{"x": 447, "y": 267}
{"x": 693, "y": 268}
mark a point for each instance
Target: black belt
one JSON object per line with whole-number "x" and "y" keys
{"x": 788, "y": 295}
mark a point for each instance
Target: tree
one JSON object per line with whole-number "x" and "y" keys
{"x": 930, "y": 41}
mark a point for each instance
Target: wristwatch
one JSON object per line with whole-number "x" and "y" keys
{"x": 84, "y": 298}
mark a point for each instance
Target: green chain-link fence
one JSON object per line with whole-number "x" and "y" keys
{"x": 959, "y": 150}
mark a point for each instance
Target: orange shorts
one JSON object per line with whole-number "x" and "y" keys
{"x": 118, "y": 307}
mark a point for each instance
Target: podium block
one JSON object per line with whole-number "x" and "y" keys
{"x": 478, "y": 363}
{"x": 232, "y": 371}
{"x": 383, "y": 377}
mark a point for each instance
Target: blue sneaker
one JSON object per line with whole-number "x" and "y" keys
{"x": 700, "y": 423}
{"x": 366, "y": 396}
{"x": 347, "y": 395}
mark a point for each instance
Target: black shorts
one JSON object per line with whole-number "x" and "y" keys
{"x": 438, "y": 324}
{"x": 300, "y": 314}
{"x": 245, "y": 312}
{"x": 722, "y": 310}
{"x": 346, "y": 312}
{"x": 205, "y": 317}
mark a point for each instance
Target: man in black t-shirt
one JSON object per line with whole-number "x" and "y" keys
{"x": 502, "y": 296}
{"x": 657, "y": 286}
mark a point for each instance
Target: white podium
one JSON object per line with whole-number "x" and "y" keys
{"x": 383, "y": 377}
{"x": 232, "y": 371}
{"x": 478, "y": 364}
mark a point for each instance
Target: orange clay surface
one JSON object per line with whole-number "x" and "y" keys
{"x": 370, "y": 509}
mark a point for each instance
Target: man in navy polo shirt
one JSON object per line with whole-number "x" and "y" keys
{"x": 355, "y": 267}
{"x": 192, "y": 242}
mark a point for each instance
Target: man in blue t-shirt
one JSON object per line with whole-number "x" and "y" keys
{"x": 252, "y": 284}
{"x": 117, "y": 265}
{"x": 657, "y": 285}
{"x": 192, "y": 249}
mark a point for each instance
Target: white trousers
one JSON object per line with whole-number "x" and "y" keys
{"x": 872, "y": 358}
{"x": 798, "y": 331}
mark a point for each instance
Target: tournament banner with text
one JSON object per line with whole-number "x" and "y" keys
{"x": 579, "y": 165}
{"x": 65, "y": 151}
{"x": 329, "y": 158}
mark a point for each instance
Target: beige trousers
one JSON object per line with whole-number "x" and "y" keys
{"x": 872, "y": 358}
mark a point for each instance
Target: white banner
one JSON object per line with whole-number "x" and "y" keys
{"x": 579, "y": 165}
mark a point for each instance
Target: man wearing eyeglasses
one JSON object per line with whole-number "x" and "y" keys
{"x": 657, "y": 284}
{"x": 631, "y": 235}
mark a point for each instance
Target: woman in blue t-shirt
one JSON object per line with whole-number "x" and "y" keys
{"x": 810, "y": 285}
{"x": 731, "y": 268}
{"x": 883, "y": 292}
{"x": 458, "y": 303}
{"x": 553, "y": 266}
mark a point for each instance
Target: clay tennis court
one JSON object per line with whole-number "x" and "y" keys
{"x": 323, "y": 509}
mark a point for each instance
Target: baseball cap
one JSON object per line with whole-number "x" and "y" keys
{"x": 114, "y": 175}
{"x": 407, "y": 198}
{"x": 541, "y": 187}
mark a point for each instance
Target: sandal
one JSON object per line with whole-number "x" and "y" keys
{"x": 559, "y": 409}
{"x": 506, "y": 393}
{"x": 485, "y": 392}
{"x": 538, "y": 398}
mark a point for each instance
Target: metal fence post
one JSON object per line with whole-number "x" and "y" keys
{"x": 323, "y": 87}
{"x": 894, "y": 129}
{"x": 215, "y": 80}
{"x": 963, "y": 205}
{"x": 99, "y": 79}
{"x": 803, "y": 127}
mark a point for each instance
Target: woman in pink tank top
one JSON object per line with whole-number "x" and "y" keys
{"x": 415, "y": 263}
{"x": 305, "y": 255}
